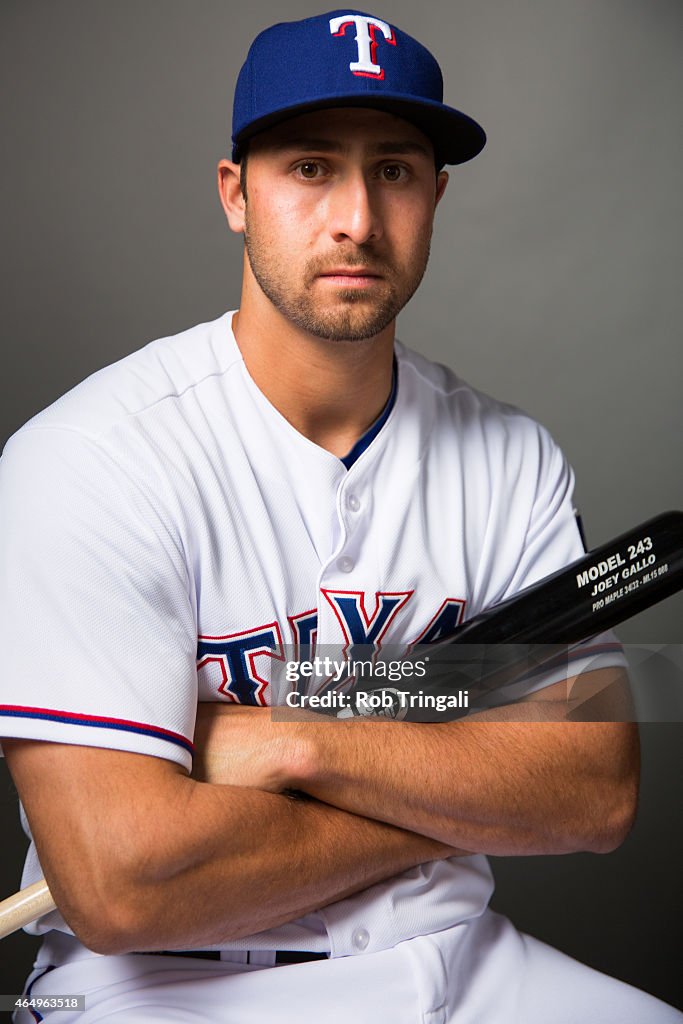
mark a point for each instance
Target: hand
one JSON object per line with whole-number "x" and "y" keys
{"x": 241, "y": 745}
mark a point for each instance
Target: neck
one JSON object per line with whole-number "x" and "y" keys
{"x": 330, "y": 391}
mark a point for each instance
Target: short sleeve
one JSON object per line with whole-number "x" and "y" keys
{"x": 97, "y": 624}
{"x": 552, "y": 540}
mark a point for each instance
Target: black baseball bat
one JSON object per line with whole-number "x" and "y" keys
{"x": 606, "y": 586}
{"x": 492, "y": 651}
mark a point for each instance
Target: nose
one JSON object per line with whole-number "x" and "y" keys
{"x": 354, "y": 211}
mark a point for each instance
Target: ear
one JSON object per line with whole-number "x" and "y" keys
{"x": 441, "y": 182}
{"x": 230, "y": 194}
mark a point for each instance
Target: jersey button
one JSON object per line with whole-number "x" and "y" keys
{"x": 345, "y": 564}
{"x": 360, "y": 938}
{"x": 353, "y": 502}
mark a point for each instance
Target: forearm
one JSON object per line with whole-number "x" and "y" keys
{"x": 139, "y": 856}
{"x": 518, "y": 779}
{"x": 501, "y": 787}
{"x": 267, "y": 860}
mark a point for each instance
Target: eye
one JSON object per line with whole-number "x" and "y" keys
{"x": 309, "y": 169}
{"x": 393, "y": 172}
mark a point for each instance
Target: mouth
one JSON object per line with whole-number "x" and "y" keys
{"x": 350, "y": 277}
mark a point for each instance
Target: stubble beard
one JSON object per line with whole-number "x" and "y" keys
{"x": 354, "y": 316}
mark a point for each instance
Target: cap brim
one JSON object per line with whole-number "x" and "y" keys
{"x": 455, "y": 136}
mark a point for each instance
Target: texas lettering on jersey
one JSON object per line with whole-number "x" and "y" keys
{"x": 235, "y": 655}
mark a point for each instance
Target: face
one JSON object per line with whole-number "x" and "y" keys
{"x": 338, "y": 219}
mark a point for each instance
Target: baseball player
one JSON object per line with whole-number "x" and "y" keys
{"x": 289, "y": 478}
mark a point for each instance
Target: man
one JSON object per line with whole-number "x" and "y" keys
{"x": 290, "y": 474}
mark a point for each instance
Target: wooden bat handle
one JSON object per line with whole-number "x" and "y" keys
{"x": 25, "y": 906}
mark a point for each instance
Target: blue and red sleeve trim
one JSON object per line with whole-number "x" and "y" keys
{"x": 96, "y": 721}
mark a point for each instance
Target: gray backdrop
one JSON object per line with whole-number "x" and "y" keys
{"x": 554, "y": 283}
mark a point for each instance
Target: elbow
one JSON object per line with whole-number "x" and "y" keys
{"x": 106, "y": 937}
{"x": 109, "y": 922}
{"x": 124, "y": 930}
{"x": 612, "y": 832}
{"x": 608, "y": 799}
{"x": 617, "y": 819}
{"x": 616, "y": 811}
{"x": 107, "y": 897}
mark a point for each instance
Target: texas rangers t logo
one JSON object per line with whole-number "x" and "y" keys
{"x": 365, "y": 66}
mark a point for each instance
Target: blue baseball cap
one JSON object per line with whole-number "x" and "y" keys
{"x": 348, "y": 59}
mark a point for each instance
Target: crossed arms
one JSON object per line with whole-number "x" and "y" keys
{"x": 140, "y": 856}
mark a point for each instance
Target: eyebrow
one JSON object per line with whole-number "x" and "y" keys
{"x": 401, "y": 147}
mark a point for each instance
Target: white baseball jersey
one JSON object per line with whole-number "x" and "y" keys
{"x": 165, "y": 534}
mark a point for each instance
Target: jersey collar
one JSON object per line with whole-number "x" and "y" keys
{"x": 371, "y": 433}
